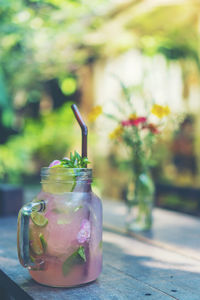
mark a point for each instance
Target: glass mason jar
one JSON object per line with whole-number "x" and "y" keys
{"x": 60, "y": 231}
{"x": 140, "y": 198}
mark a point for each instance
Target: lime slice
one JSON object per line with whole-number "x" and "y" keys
{"x": 38, "y": 219}
{"x": 35, "y": 243}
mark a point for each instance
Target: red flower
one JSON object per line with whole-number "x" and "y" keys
{"x": 134, "y": 122}
{"x": 127, "y": 123}
{"x": 152, "y": 127}
{"x": 139, "y": 120}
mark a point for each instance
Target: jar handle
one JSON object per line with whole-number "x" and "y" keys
{"x": 23, "y": 233}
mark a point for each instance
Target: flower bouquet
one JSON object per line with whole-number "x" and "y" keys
{"x": 138, "y": 132}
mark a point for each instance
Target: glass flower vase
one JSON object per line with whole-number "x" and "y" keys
{"x": 140, "y": 198}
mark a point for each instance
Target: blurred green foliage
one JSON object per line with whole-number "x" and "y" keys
{"x": 43, "y": 44}
{"x": 41, "y": 40}
{"x": 179, "y": 203}
{"x": 169, "y": 30}
{"x": 41, "y": 142}
{"x": 41, "y": 47}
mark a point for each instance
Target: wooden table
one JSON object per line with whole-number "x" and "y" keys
{"x": 161, "y": 264}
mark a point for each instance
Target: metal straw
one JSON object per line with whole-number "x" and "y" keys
{"x": 84, "y": 129}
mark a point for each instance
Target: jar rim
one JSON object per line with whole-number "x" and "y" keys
{"x": 64, "y": 168}
{"x": 81, "y": 174}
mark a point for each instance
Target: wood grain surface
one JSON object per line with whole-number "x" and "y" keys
{"x": 161, "y": 264}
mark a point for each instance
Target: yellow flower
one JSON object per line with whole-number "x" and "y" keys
{"x": 132, "y": 117}
{"x": 117, "y": 132}
{"x": 95, "y": 112}
{"x": 160, "y": 111}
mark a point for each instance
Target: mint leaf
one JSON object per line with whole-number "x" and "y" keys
{"x": 56, "y": 210}
{"x": 60, "y": 210}
{"x": 32, "y": 259}
{"x": 63, "y": 221}
{"x": 101, "y": 244}
{"x": 71, "y": 156}
{"x": 75, "y": 161}
{"x": 81, "y": 252}
{"x": 69, "y": 263}
{"x": 76, "y": 258}
{"x": 43, "y": 242}
{"x": 78, "y": 157}
{"x": 77, "y": 208}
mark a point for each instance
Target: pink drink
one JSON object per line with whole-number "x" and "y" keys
{"x": 67, "y": 249}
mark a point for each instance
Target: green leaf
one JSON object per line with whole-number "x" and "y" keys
{"x": 76, "y": 258}
{"x": 101, "y": 244}
{"x": 77, "y": 208}
{"x": 81, "y": 252}
{"x": 69, "y": 263}
{"x": 43, "y": 242}
{"x": 63, "y": 221}
{"x": 76, "y": 161}
{"x": 71, "y": 156}
{"x": 57, "y": 210}
{"x": 77, "y": 155}
{"x": 111, "y": 117}
{"x": 60, "y": 210}
{"x": 32, "y": 259}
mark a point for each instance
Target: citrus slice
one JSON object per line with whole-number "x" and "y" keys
{"x": 35, "y": 243}
{"x": 38, "y": 219}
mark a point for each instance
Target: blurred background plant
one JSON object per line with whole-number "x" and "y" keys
{"x": 23, "y": 155}
{"x": 137, "y": 126}
{"x": 38, "y": 76}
